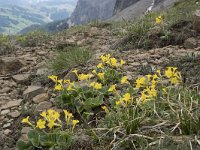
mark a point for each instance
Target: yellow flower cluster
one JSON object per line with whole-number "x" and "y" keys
{"x": 59, "y": 83}
{"x": 125, "y": 100}
{"x": 107, "y": 59}
{"x": 96, "y": 85}
{"x": 51, "y": 119}
{"x": 173, "y": 75}
{"x": 159, "y": 20}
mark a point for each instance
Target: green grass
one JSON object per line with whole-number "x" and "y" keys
{"x": 70, "y": 57}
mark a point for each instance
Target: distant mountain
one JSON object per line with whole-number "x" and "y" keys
{"x": 16, "y": 15}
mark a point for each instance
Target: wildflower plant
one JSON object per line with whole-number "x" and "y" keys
{"x": 49, "y": 131}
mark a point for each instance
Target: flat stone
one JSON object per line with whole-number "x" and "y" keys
{"x": 25, "y": 130}
{"x": 43, "y": 106}
{"x": 33, "y": 91}
{"x": 6, "y": 90}
{"x": 11, "y": 104}
{"x": 7, "y": 131}
{"x": 21, "y": 78}
{"x": 40, "y": 98}
{"x": 14, "y": 114}
{"x": 4, "y": 112}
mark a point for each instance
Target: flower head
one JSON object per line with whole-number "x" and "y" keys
{"x": 41, "y": 124}
{"x": 159, "y": 20}
{"x": 105, "y": 109}
{"x": 74, "y": 122}
{"x": 101, "y": 76}
{"x": 122, "y": 62}
{"x": 124, "y": 80}
{"x": 112, "y": 88}
{"x": 26, "y": 120}
{"x": 100, "y": 65}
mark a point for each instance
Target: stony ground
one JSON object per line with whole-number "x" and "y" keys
{"x": 22, "y": 91}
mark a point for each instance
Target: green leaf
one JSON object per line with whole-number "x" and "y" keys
{"x": 94, "y": 102}
{"x": 34, "y": 137}
{"x": 21, "y": 145}
{"x": 46, "y": 141}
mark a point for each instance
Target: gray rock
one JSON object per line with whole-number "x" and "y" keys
{"x": 71, "y": 76}
{"x": 41, "y": 71}
{"x": 21, "y": 78}
{"x": 33, "y": 91}
{"x": 11, "y": 104}
{"x": 43, "y": 106}
{"x": 190, "y": 43}
{"x": 4, "y": 112}
{"x": 6, "y": 125}
{"x": 196, "y": 21}
{"x": 7, "y": 131}
{"x": 41, "y": 98}
{"x": 14, "y": 114}
{"x": 10, "y": 65}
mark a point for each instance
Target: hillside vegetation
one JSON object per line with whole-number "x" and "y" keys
{"x": 105, "y": 85}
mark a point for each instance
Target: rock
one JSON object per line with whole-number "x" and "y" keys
{"x": 11, "y": 104}
{"x": 41, "y": 98}
{"x": 190, "y": 43}
{"x": 10, "y": 65}
{"x": 14, "y": 114}
{"x": 33, "y": 91}
{"x": 196, "y": 21}
{"x": 42, "y": 71}
{"x": 6, "y": 125}
{"x": 4, "y": 112}
{"x": 25, "y": 130}
{"x": 21, "y": 78}
{"x": 43, "y": 106}
{"x": 71, "y": 76}
{"x": 135, "y": 64}
{"x": 5, "y": 90}
{"x": 24, "y": 137}
{"x": 7, "y": 131}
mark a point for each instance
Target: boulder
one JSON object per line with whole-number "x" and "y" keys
{"x": 190, "y": 43}
{"x": 11, "y": 104}
{"x": 9, "y": 65}
{"x": 196, "y": 21}
{"x": 33, "y": 91}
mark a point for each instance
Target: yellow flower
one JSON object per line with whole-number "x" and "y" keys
{"x": 105, "y": 58}
{"x": 71, "y": 86}
{"x": 113, "y": 62}
{"x": 66, "y": 81}
{"x": 105, "y": 109}
{"x": 159, "y": 19}
{"x": 44, "y": 115}
{"x": 74, "y": 122}
{"x": 119, "y": 102}
{"x": 143, "y": 96}
{"x": 100, "y": 65}
{"x": 101, "y": 76}
{"x": 41, "y": 124}
{"x": 51, "y": 124}
{"x": 58, "y": 87}
{"x": 98, "y": 86}
{"x": 140, "y": 82}
{"x": 82, "y": 77}
{"x": 127, "y": 97}
{"x": 112, "y": 88}
{"x": 92, "y": 84}
{"x": 53, "y": 78}
{"x": 26, "y": 120}
{"x": 94, "y": 71}
{"x": 173, "y": 75}
{"x": 68, "y": 116}
{"x": 76, "y": 72}
{"x": 124, "y": 80}
{"x": 122, "y": 62}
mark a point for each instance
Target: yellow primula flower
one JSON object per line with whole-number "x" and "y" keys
{"x": 53, "y": 78}
{"x": 58, "y": 87}
{"x": 127, "y": 97}
{"x": 44, "y": 115}
{"x": 105, "y": 109}
{"x": 76, "y": 72}
{"x": 94, "y": 71}
{"x": 105, "y": 58}
{"x": 68, "y": 116}
{"x": 74, "y": 122}
{"x": 112, "y": 88}
{"x": 67, "y": 81}
{"x": 101, "y": 76}
{"x": 113, "y": 62}
{"x": 100, "y": 65}
{"x": 159, "y": 20}
{"x": 92, "y": 84}
{"x": 124, "y": 80}
{"x": 41, "y": 124}
{"x": 26, "y": 120}
{"x": 98, "y": 86}
{"x": 122, "y": 62}
{"x": 140, "y": 82}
